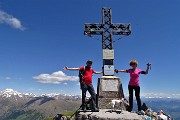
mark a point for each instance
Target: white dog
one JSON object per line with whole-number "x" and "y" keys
{"x": 119, "y": 104}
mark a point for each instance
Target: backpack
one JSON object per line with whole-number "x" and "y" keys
{"x": 58, "y": 117}
{"x": 81, "y": 74}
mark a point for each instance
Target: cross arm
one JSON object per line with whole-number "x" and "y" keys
{"x": 93, "y": 28}
{"x": 121, "y": 29}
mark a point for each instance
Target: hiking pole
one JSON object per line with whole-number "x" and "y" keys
{"x": 81, "y": 107}
{"x": 76, "y": 111}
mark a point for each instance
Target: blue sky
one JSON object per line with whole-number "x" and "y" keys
{"x": 39, "y": 38}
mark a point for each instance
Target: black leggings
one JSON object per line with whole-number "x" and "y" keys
{"x": 137, "y": 94}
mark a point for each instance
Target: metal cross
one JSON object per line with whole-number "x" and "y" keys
{"x": 107, "y": 29}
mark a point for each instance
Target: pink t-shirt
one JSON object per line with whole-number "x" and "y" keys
{"x": 134, "y": 76}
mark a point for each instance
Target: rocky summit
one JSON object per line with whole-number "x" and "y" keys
{"x": 118, "y": 111}
{"x": 107, "y": 114}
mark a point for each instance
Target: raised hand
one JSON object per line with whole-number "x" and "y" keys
{"x": 149, "y": 64}
{"x": 65, "y": 68}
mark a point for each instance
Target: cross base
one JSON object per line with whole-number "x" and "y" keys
{"x": 109, "y": 88}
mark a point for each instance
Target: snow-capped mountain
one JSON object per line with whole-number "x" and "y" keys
{"x": 8, "y": 93}
{"x": 158, "y": 96}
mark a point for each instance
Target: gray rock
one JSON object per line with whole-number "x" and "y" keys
{"x": 108, "y": 114}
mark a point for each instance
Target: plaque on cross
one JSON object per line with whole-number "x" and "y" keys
{"x": 107, "y": 29}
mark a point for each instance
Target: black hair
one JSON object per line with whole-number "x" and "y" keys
{"x": 89, "y": 61}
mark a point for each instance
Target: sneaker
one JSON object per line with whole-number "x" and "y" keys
{"x": 139, "y": 113}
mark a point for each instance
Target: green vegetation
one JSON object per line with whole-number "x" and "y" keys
{"x": 68, "y": 113}
{"x": 38, "y": 108}
{"x": 23, "y": 115}
{"x": 20, "y": 114}
{"x": 49, "y": 118}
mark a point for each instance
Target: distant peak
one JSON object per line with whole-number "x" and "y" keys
{"x": 7, "y": 93}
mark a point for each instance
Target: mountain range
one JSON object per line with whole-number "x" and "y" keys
{"x": 28, "y": 106}
{"x": 7, "y": 93}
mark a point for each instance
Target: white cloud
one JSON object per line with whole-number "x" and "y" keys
{"x": 10, "y": 78}
{"x": 7, "y": 78}
{"x": 55, "y": 78}
{"x": 33, "y": 89}
{"x": 65, "y": 84}
{"x": 5, "y": 18}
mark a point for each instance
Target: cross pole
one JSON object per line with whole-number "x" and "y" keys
{"x": 107, "y": 29}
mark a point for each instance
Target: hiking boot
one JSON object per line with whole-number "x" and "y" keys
{"x": 95, "y": 110}
{"x": 84, "y": 109}
{"x": 129, "y": 109}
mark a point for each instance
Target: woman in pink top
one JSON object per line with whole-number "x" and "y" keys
{"x": 134, "y": 82}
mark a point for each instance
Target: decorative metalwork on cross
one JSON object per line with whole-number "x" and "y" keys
{"x": 107, "y": 29}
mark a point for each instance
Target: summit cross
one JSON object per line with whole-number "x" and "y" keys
{"x": 107, "y": 29}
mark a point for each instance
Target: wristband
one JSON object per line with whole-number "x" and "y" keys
{"x": 116, "y": 70}
{"x": 149, "y": 67}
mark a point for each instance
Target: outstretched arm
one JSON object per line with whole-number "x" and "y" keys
{"x": 95, "y": 72}
{"x": 124, "y": 71}
{"x": 72, "y": 69}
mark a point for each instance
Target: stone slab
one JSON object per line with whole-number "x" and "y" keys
{"x": 110, "y": 85}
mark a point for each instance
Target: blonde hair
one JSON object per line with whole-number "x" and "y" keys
{"x": 132, "y": 62}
